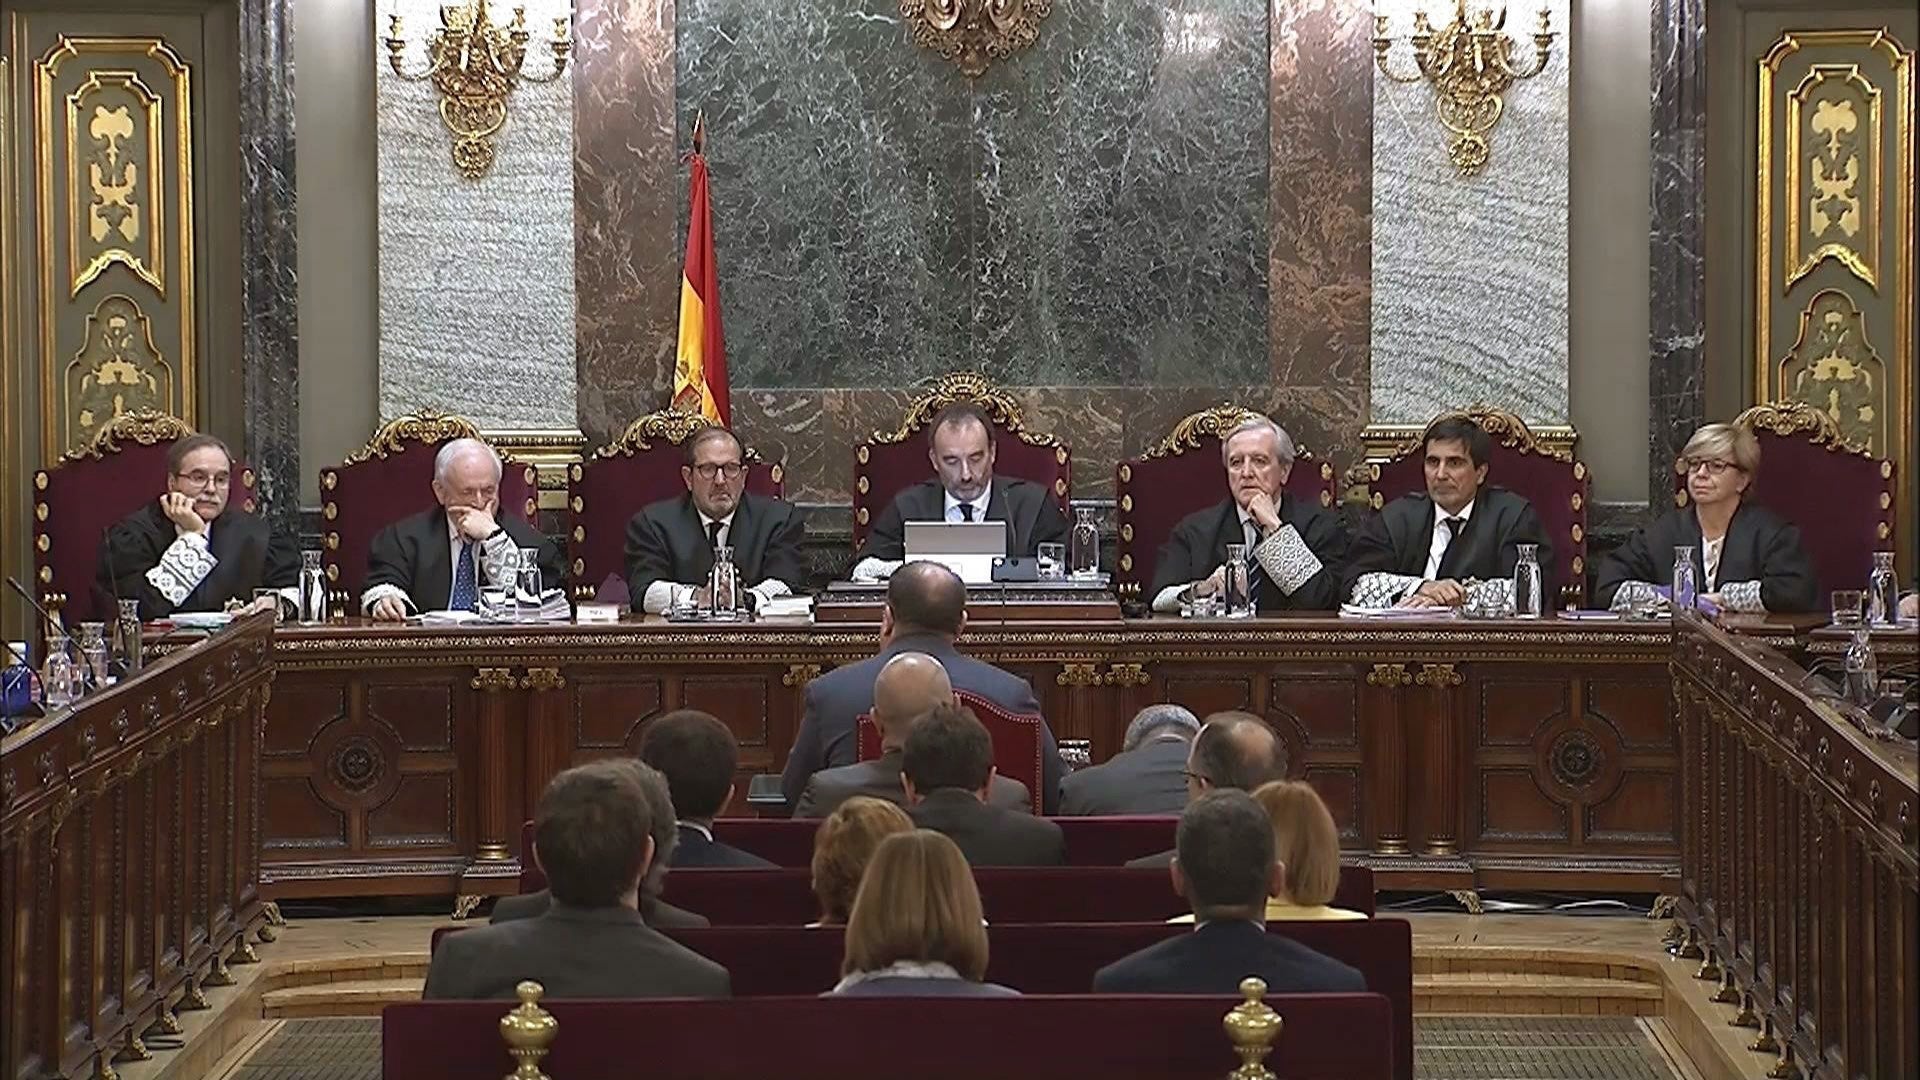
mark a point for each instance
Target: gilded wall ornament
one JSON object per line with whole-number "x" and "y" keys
{"x": 1470, "y": 62}
{"x": 1834, "y": 369}
{"x": 975, "y": 33}
{"x": 117, "y": 371}
{"x": 475, "y": 66}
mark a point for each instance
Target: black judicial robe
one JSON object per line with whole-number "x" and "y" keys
{"x": 1760, "y": 546}
{"x": 1029, "y": 510}
{"x": 667, "y": 542}
{"x": 1398, "y": 538}
{"x": 250, "y": 556}
{"x": 1199, "y": 545}
{"x": 415, "y": 555}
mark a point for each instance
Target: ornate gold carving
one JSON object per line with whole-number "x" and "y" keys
{"x": 1077, "y": 674}
{"x": 543, "y": 678}
{"x": 969, "y": 386}
{"x": 425, "y": 426}
{"x": 1835, "y": 369}
{"x": 243, "y": 953}
{"x": 1389, "y": 675}
{"x": 1126, "y": 675}
{"x": 1470, "y": 63}
{"x": 1469, "y": 899}
{"x": 143, "y": 426}
{"x": 105, "y": 116}
{"x": 799, "y": 675}
{"x": 1186, "y": 434}
{"x": 475, "y": 65}
{"x": 493, "y": 680}
{"x": 1388, "y": 442}
{"x": 1837, "y": 148}
{"x": 464, "y": 904}
{"x": 975, "y": 33}
{"x": 118, "y": 370}
{"x": 1252, "y": 1028}
{"x": 1439, "y": 676}
{"x": 528, "y": 1031}
{"x": 134, "y": 1049}
{"x": 669, "y": 425}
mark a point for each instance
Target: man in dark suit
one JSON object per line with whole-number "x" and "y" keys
{"x": 947, "y": 766}
{"x": 1147, "y": 776}
{"x": 697, "y": 755}
{"x": 960, "y": 446}
{"x": 1457, "y": 540}
{"x": 1233, "y": 751}
{"x": 925, "y": 611}
{"x": 670, "y": 544}
{"x": 1296, "y": 549}
{"x": 654, "y": 911}
{"x": 193, "y": 550}
{"x": 591, "y": 837}
{"x": 441, "y": 558}
{"x": 1226, "y": 870}
{"x": 908, "y": 687}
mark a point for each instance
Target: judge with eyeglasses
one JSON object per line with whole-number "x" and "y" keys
{"x": 670, "y": 544}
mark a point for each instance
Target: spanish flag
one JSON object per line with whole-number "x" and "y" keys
{"x": 700, "y": 375}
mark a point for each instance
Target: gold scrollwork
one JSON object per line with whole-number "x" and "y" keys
{"x": 669, "y": 425}
{"x": 106, "y": 114}
{"x": 1126, "y": 675}
{"x": 143, "y": 426}
{"x": 1186, "y": 434}
{"x": 1388, "y": 442}
{"x": 1835, "y": 370}
{"x": 1470, "y": 62}
{"x": 117, "y": 370}
{"x": 1077, "y": 674}
{"x": 968, "y": 386}
{"x": 543, "y": 678}
{"x": 475, "y": 65}
{"x": 1835, "y": 150}
{"x": 425, "y": 426}
{"x": 1389, "y": 675}
{"x": 493, "y": 680}
{"x": 974, "y": 33}
{"x": 1439, "y": 676}
{"x": 799, "y": 675}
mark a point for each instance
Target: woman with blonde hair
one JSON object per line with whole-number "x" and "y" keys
{"x": 842, "y": 847}
{"x": 1745, "y": 558}
{"x": 916, "y": 928}
{"x": 1306, "y": 846}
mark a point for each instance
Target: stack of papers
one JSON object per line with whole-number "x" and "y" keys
{"x": 787, "y": 607}
{"x": 200, "y": 620}
{"x": 1355, "y": 611}
{"x": 554, "y": 606}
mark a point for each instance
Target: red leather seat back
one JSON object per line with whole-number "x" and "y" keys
{"x": 79, "y": 497}
{"x": 1553, "y": 480}
{"x": 890, "y": 461}
{"x": 1016, "y": 741}
{"x": 1181, "y": 474}
{"x": 390, "y": 478}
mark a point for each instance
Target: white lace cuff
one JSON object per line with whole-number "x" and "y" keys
{"x": 499, "y": 558}
{"x": 870, "y": 569}
{"x": 1167, "y": 600}
{"x": 1634, "y": 594}
{"x": 660, "y": 596}
{"x": 182, "y": 567}
{"x": 1381, "y": 589}
{"x": 770, "y": 588}
{"x": 1287, "y": 559}
{"x": 377, "y": 593}
{"x": 1741, "y": 596}
{"x": 1495, "y": 595}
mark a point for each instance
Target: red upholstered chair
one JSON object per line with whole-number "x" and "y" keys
{"x": 1839, "y": 495}
{"x": 641, "y": 467}
{"x": 389, "y": 478}
{"x": 1016, "y": 741}
{"x": 1548, "y": 476}
{"x": 1182, "y": 473}
{"x": 891, "y": 461}
{"x": 77, "y": 498}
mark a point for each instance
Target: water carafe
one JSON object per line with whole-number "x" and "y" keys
{"x": 313, "y": 588}
{"x": 723, "y": 584}
{"x": 1083, "y": 549}
{"x": 128, "y": 646}
{"x": 1526, "y": 583}
{"x": 1685, "y": 588}
{"x": 1883, "y": 591}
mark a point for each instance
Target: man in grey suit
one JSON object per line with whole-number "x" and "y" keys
{"x": 1147, "y": 776}
{"x": 908, "y": 687}
{"x": 926, "y": 610}
{"x": 592, "y": 837}
{"x": 946, "y": 766}
{"x": 1233, "y": 751}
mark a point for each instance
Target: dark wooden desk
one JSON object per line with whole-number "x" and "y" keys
{"x": 1455, "y": 755}
{"x": 129, "y": 870}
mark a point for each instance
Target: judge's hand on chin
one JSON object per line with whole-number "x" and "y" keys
{"x": 388, "y": 609}
{"x": 1260, "y": 505}
{"x": 179, "y": 510}
{"x": 474, "y": 523}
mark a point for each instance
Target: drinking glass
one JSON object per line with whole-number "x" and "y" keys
{"x": 1239, "y": 603}
{"x": 269, "y": 600}
{"x": 1085, "y": 547}
{"x": 1050, "y": 562}
{"x": 526, "y": 586}
{"x": 1849, "y": 606}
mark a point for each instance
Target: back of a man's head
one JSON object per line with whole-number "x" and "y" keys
{"x": 926, "y": 597}
{"x": 590, "y": 833}
{"x": 948, "y": 748}
{"x": 663, "y": 825}
{"x": 908, "y": 686}
{"x": 1225, "y": 850}
{"x": 1237, "y": 750}
{"x": 1157, "y": 720}
{"x": 697, "y": 754}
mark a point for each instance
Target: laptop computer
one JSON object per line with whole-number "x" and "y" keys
{"x": 968, "y": 548}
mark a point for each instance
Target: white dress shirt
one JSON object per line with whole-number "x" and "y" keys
{"x": 1443, "y": 537}
{"x": 494, "y": 560}
{"x": 662, "y": 596}
{"x": 979, "y": 504}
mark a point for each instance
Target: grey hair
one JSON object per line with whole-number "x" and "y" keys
{"x": 451, "y": 451}
{"x": 1282, "y": 442}
{"x": 1156, "y": 718}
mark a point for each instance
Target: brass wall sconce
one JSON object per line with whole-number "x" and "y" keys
{"x": 974, "y": 33}
{"x": 475, "y": 65}
{"x": 1470, "y": 64}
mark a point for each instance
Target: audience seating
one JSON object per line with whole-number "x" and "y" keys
{"x": 389, "y": 478}
{"x": 641, "y": 467}
{"x": 1091, "y": 841}
{"x": 77, "y": 498}
{"x": 891, "y": 461}
{"x": 1182, "y": 473}
{"x": 1552, "y": 479}
{"x": 1344, "y": 1036}
{"x": 1839, "y": 495}
{"x": 1016, "y": 741}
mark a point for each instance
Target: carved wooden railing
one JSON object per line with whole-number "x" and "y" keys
{"x": 129, "y": 857}
{"x": 1798, "y": 863}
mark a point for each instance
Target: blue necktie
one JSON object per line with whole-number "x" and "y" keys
{"x": 466, "y": 592}
{"x": 1255, "y": 573}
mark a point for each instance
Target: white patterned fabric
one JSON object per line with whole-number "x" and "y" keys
{"x": 869, "y": 570}
{"x": 182, "y": 567}
{"x": 1710, "y": 551}
{"x": 1287, "y": 559}
{"x": 1495, "y": 595}
{"x": 1634, "y": 594}
{"x": 1382, "y": 590}
{"x": 1741, "y": 596}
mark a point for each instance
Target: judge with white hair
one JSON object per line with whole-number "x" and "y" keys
{"x": 440, "y": 559}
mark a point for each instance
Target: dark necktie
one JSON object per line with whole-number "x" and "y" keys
{"x": 713, "y": 532}
{"x": 1454, "y": 525}
{"x": 466, "y": 592}
{"x": 1256, "y": 575}
{"x": 966, "y": 511}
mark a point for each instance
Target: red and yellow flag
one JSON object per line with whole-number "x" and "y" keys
{"x": 700, "y": 375}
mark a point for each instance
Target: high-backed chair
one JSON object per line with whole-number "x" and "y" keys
{"x": 642, "y": 466}
{"x": 1839, "y": 494}
{"x": 1182, "y": 473}
{"x": 888, "y": 462}
{"x": 1552, "y": 479}
{"x": 80, "y": 496}
{"x": 389, "y": 478}
{"x": 1016, "y": 741}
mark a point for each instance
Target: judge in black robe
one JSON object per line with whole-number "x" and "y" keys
{"x": 1389, "y": 557}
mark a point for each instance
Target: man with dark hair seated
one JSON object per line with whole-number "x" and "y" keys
{"x": 592, "y": 838}
{"x": 654, "y": 911}
{"x": 1225, "y": 869}
{"x": 926, "y": 610}
{"x": 696, "y": 753}
{"x": 1234, "y": 750}
{"x": 946, "y": 768}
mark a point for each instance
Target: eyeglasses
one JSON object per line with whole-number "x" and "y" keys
{"x": 708, "y": 470}
{"x": 204, "y": 479}
{"x": 1713, "y": 466}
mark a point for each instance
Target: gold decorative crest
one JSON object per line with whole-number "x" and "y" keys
{"x": 977, "y": 389}
{"x": 116, "y": 371}
{"x": 1387, "y": 442}
{"x": 1798, "y": 417}
{"x": 975, "y": 33}
{"x": 144, "y": 426}
{"x": 1214, "y": 422}
{"x": 425, "y": 426}
{"x": 1833, "y": 368}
